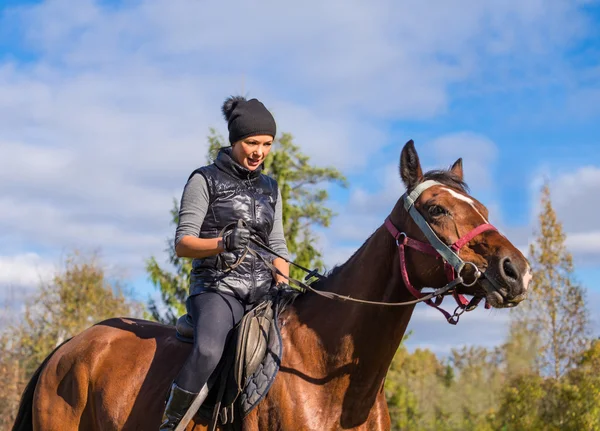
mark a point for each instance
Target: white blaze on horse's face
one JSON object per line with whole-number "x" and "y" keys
{"x": 527, "y": 278}
{"x": 465, "y": 199}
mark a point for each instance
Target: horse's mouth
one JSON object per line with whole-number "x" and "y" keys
{"x": 497, "y": 296}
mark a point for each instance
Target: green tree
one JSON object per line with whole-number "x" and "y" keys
{"x": 520, "y": 350}
{"x": 573, "y": 403}
{"x": 79, "y": 295}
{"x": 476, "y": 387}
{"x": 303, "y": 200}
{"x": 521, "y": 404}
{"x": 555, "y": 311}
{"x": 216, "y": 141}
{"x": 304, "y": 208}
{"x": 403, "y": 403}
{"x": 173, "y": 286}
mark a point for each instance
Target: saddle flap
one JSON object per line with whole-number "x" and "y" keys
{"x": 258, "y": 336}
{"x": 252, "y": 342}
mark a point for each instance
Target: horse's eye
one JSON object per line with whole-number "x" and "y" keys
{"x": 436, "y": 211}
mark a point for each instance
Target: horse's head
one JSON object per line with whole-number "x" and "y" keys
{"x": 437, "y": 204}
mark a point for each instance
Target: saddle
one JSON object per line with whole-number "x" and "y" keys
{"x": 249, "y": 364}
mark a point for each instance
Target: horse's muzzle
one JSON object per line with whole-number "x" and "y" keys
{"x": 506, "y": 281}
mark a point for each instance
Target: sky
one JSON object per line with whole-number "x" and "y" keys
{"x": 105, "y": 107}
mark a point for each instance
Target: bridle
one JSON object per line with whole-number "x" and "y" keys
{"x": 454, "y": 265}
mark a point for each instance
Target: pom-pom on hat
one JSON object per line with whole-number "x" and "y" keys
{"x": 247, "y": 118}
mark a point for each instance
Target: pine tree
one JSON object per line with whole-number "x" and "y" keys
{"x": 303, "y": 201}
{"x": 555, "y": 309}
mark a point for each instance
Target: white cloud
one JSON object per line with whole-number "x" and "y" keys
{"x": 100, "y": 128}
{"x": 574, "y": 199}
{"x": 24, "y": 270}
{"x": 366, "y": 209}
{"x": 20, "y": 274}
{"x": 481, "y": 327}
{"x": 478, "y": 152}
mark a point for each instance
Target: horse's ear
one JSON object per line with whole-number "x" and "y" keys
{"x": 410, "y": 166}
{"x": 457, "y": 169}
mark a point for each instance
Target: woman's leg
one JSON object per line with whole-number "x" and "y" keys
{"x": 214, "y": 316}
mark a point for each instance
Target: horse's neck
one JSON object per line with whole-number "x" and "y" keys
{"x": 353, "y": 339}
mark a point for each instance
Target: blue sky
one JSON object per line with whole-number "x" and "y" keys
{"x": 105, "y": 106}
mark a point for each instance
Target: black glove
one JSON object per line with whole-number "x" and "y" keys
{"x": 237, "y": 238}
{"x": 282, "y": 285}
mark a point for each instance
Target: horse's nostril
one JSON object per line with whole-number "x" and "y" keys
{"x": 509, "y": 269}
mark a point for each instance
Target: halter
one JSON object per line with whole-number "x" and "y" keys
{"x": 453, "y": 264}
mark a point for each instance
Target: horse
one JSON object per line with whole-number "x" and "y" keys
{"x": 339, "y": 338}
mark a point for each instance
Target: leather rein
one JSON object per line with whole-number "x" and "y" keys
{"x": 453, "y": 264}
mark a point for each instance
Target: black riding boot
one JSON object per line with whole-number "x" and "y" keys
{"x": 178, "y": 402}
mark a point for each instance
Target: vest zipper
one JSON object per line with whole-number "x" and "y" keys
{"x": 250, "y": 188}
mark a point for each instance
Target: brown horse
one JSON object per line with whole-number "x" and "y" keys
{"x": 114, "y": 375}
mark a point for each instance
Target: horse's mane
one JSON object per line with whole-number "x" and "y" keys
{"x": 443, "y": 176}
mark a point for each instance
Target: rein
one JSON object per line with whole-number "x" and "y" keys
{"x": 454, "y": 265}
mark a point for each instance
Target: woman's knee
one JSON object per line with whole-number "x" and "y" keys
{"x": 208, "y": 350}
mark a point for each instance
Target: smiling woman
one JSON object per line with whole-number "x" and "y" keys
{"x": 251, "y": 152}
{"x": 224, "y": 206}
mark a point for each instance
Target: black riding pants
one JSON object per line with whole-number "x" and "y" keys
{"x": 214, "y": 315}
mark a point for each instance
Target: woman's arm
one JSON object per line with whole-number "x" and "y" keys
{"x": 194, "y": 204}
{"x": 198, "y": 248}
{"x": 278, "y": 243}
{"x": 282, "y": 266}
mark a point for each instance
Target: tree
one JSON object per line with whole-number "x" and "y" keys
{"x": 555, "y": 310}
{"x": 519, "y": 352}
{"x": 303, "y": 201}
{"x": 584, "y": 385}
{"x": 173, "y": 287}
{"x": 532, "y": 402}
{"x": 79, "y": 295}
{"x": 215, "y": 142}
{"x": 521, "y": 404}
{"x": 304, "y": 207}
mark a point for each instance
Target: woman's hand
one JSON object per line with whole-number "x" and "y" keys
{"x": 236, "y": 239}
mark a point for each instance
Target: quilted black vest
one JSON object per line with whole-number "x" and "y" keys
{"x": 235, "y": 193}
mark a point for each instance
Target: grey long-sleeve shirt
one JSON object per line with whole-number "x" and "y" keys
{"x": 194, "y": 204}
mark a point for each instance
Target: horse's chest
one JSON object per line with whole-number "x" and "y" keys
{"x": 294, "y": 404}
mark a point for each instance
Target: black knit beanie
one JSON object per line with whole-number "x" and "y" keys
{"x": 247, "y": 118}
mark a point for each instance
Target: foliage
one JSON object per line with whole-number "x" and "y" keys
{"x": 535, "y": 402}
{"x": 555, "y": 309}
{"x": 79, "y": 295}
{"x": 173, "y": 287}
{"x": 303, "y": 202}
{"x": 544, "y": 377}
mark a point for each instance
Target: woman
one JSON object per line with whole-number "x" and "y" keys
{"x": 223, "y": 205}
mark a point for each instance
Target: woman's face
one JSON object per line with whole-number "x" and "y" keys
{"x": 251, "y": 151}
